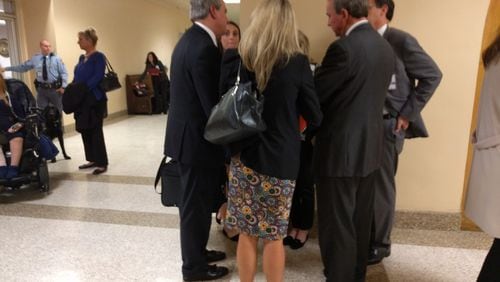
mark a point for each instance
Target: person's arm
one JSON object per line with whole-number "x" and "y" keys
{"x": 63, "y": 73}
{"x": 161, "y": 67}
{"x": 420, "y": 67}
{"x": 24, "y": 67}
{"x": 206, "y": 85}
{"x": 308, "y": 100}
{"x": 332, "y": 73}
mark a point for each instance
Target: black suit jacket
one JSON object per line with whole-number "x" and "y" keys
{"x": 417, "y": 77}
{"x": 289, "y": 92}
{"x": 195, "y": 72}
{"x": 352, "y": 84}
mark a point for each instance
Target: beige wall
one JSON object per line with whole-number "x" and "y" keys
{"x": 127, "y": 30}
{"x": 431, "y": 171}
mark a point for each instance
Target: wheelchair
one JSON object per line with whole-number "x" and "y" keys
{"x": 33, "y": 168}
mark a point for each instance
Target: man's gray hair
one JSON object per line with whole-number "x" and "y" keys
{"x": 200, "y": 8}
{"x": 355, "y": 8}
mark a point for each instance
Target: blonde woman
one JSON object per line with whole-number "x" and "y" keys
{"x": 90, "y": 71}
{"x": 263, "y": 170}
{"x": 10, "y": 110}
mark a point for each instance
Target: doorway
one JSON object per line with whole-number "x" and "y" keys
{"x": 9, "y": 54}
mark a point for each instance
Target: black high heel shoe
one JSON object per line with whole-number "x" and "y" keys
{"x": 288, "y": 240}
{"x": 297, "y": 244}
{"x": 235, "y": 238}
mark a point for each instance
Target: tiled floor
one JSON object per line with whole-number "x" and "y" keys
{"x": 112, "y": 227}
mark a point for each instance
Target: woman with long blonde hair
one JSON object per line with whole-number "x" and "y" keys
{"x": 12, "y": 129}
{"x": 263, "y": 168}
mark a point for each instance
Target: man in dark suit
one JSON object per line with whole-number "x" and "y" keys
{"x": 417, "y": 77}
{"x": 194, "y": 91}
{"x": 351, "y": 84}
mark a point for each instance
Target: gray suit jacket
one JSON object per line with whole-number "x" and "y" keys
{"x": 417, "y": 77}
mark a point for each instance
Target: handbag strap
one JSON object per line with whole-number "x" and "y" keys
{"x": 108, "y": 65}
{"x": 238, "y": 76}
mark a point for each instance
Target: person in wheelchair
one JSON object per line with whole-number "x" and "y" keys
{"x": 12, "y": 129}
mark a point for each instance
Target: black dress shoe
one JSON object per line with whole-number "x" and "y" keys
{"x": 213, "y": 272}
{"x": 376, "y": 255}
{"x": 297, "y": 244}
{"x": 87, "y": 165}
{"x": 213, "y": 256}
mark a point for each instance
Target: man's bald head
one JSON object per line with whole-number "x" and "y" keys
{"x": 45, "y": 47}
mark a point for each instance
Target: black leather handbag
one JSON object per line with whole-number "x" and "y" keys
{"x": 110, "y": 81}
{"x": 170, "y": 183}
{"x": 238, "y": 114}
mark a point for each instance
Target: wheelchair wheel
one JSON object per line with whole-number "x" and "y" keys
{"x": 43, "y": 177}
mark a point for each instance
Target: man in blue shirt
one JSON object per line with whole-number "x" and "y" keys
{"x": 51, "y": 75}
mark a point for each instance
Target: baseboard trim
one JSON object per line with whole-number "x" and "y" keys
{"x": 428, "y": 220}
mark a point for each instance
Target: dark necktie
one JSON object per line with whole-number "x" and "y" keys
{"x": 44, "y": 69}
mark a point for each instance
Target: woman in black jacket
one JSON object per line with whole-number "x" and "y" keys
{"x": 263, "y": 169}
{"x": 161, "y": 84}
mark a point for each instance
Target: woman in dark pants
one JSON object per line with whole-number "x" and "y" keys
{"x": 90, "y": 70}
{"x": 302, "y": 212}
{"x": 161, "y": 84}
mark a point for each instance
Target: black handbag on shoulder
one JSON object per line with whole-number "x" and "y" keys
{"x": 170, "y": 183}
{"x": 110, "y": 81}
{"x": 238, "y": 114}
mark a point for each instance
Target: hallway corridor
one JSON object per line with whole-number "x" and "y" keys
{"x": 112, "y": 227}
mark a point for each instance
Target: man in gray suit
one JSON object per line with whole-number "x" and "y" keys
{"x": 417, "y": 77}
{"x": 351, "y": 85}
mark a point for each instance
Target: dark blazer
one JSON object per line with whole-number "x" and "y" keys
{"x": 194, "y": 91}
{"x": 413, "y": 65}
{"x": 289, "y": 92}
{"x": 352, "y": 84}
{"x": 79, "y": 100}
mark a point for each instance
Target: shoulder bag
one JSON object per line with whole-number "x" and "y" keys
{"x": 110, "y": 81}
{"x": 238, "y": 114}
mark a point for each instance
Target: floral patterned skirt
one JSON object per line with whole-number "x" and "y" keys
{"x": 258, "y": 205}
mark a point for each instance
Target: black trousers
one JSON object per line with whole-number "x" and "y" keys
{"x": 302, "y": 212}
{"x": 345, "y": 213}
{"x": 490, "y": 272}
{"x": 93, "y": 139}
{"x": 159, "y": 101}
{"x": 200, "y": 190}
